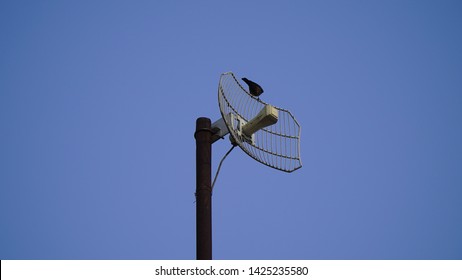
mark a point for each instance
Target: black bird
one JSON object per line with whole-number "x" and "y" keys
{"x": 254, "y": 88}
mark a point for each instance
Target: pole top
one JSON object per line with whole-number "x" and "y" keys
{"x": 203, "y": 122}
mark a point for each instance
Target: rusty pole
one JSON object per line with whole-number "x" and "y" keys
{"x": 203, "y": 137}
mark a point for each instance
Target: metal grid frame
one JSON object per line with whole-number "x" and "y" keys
{"x": 278, "y": 145}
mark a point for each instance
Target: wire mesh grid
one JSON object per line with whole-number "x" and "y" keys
{"x": 278, "y": 145}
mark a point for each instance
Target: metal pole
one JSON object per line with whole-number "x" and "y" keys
{"x": 203, "y": 137}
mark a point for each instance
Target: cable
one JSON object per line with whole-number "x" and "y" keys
{"x": 219, "y": 166}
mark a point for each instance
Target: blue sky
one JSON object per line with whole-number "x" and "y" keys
{"x": 98, "y": 102}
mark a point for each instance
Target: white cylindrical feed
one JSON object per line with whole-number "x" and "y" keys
{"x": 266, "y": 117}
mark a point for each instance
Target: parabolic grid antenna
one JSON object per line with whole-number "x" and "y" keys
{"x": 269, "y": 134}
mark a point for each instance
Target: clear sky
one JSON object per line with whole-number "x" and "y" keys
{"x": 98, "y": 103}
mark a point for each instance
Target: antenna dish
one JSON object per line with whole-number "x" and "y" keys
{"x": 269, "y": 134}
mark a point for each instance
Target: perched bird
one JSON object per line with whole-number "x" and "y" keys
{"x": 254, "y": 88}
